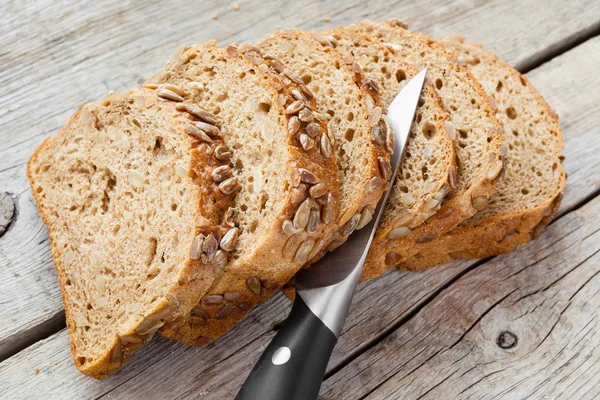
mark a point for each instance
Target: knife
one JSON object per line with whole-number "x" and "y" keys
{"x": 292, "y": 367}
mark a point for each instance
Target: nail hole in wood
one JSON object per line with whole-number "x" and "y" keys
{"x": 507, "y": 340}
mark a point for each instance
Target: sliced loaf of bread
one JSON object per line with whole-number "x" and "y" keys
{"x": 117, "y": 189}
{"x": 534, "y": 177}
{"x": 360, "y": 137}
{"x": 286, "y": 191}
{"x": 478, "y": 139}
{"x": 429, "y": 160}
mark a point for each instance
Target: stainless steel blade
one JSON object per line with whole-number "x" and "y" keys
{"x": 328, "y": 285}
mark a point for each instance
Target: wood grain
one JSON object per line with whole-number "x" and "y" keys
{"x": 547, "y": 295}
{"x": 57, "y": 55}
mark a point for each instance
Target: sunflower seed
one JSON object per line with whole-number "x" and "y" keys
{"x": 398, "y": 232}
{"x": 220, "y": 258}
{"x": 211, "y": 130}
{"x": 229, "y": 241}
{"x": 318, "y": 190}
{"x": 450, "y": 130}
{"x": 276, "y": 63}
{"x": 335, "y": 244}
{"x": 212, "y": 300}
{"x": 369, "y": 102}
{"x": 374, "y": 185}
{"x": 392, "y": 259}
{"x": 232, "y": 296}
{"x": 225, "y": 311}
{"x": 254, "y": 57}
{"x": 293, "y": 125}
{"x": 289, "y": 250}
{"x": 356, "y": 68}
{"x": 425, "y": 239}
{"x": 328, "y": 212}
{"x": 371, "y": 85}
{"x": 196, "y": 320}
{"x": 326, "y": 148}
{"x": 494, "y": 170}
{"x": 313, "y": 129}
{"x": 196, "y": 248}
{"x": 298, "y": 194}
{"x": 306, "y": 91}
{"x": 222, "y": 153}
{"x": 365, "y": 217}
{"x": 295, "y": 177}
{"x": 307, "y": 177}
{"x": 479, "y": 203}
{"x": 306, "y": 142}
{"x": 375, "y": 116}
{"x": 385, "y": 168}
{"x": 200, "y": 312}
{"x": 294, "y": 107}
{"x": 244, "y": 306}
{"x": 297, "y": 94}
{"x": 150, "y": 85}
{"x": 232, "y": 51}
{"x": 325, "y": 40}
{"x": 168, "y": 94}
{"x": 173, "y": 88}
{"x": 210, "y": 246}
{"x": 201, "y": 113}
{"x": 288, "y": 227}
{"x": 294, "y": 78}
{"x": 304, "y": 250}
{"x": 390, "y": 141}
{"x": 313, "y": 221}
{"x": 304, "y": 114}
{"x": 302, "y": 215}
{"x": 378, "y": 135}
{"x": 228, "y": 186}
{"x": 253, "y": 284}
{"x": 245, "y": 47}
{"x": 452, "y": 177}
{"x": 197, "y": 133}
{"x": 201, "y": 221}
{"x": 221, "y": 173}
{"x": 351, "y": 225}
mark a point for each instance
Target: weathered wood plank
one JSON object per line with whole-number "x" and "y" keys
{"x": 546, "y": 295}
{"x": 219, "y": 370}
{"x": 57, "y": 55}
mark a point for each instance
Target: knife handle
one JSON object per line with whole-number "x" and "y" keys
{"x": 293, "y": 365}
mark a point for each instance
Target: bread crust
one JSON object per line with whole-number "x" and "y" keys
{"x": 193, "y": 278}
{"x": 500, "y": 232}
{"x": 254, "y": 276}
{"x": 459, "y": 205}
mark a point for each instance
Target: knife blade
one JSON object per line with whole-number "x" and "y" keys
{"x": 293, "y": 365}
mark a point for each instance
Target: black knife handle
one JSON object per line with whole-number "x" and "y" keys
{"x": 310, "y": 344}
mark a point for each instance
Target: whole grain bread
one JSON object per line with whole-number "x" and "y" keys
{"x": 478, "y": 139}
{"x": 429, "y": 156}
{"x": 286, "y": 195}
{"x": 361, "y": 138}
{"x": 534, "y": 178}
{"x": 117, "y": 190}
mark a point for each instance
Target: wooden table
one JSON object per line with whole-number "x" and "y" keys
{"x": 523, "y": 325}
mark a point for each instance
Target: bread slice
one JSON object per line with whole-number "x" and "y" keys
{"x": 534, "y": 177}
{"x": 117, "y": 190}
{"x": 478, "y": 139}
{"x": 429, "y": 157}
{"x": 361, "y": 138}
{"x": 287, "y": 192}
